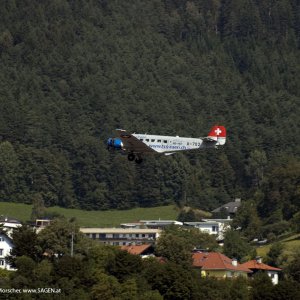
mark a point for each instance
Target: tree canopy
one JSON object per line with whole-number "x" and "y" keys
{"x": 72, "y": 71}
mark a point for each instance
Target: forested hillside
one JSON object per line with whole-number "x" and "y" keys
{"x": 71, "y": 71}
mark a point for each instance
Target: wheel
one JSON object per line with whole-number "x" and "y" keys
{"x": 139, "y": 160}
{"x": 131, "y": 156}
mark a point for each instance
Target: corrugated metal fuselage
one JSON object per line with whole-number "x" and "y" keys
{"x": 170, "y": 144}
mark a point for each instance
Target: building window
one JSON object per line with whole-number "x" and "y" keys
{"x": 1, "y": 252}
{"x": 93, "y": 236}
{"x": 1, "y": 239}
{"x": 137, "y": 235}
{"x": 1, "y": 262}
{"x": 143, "y": 235}
{"x": 214, "y": 228}
{"x": 230, "y": 274}
{"x": 102, "y": 236}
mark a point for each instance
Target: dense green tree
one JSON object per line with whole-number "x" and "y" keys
{"x": 171, "y": 280}
{"x": 247, "y": 220}
{"x": 286, "y": 290}
{"x": 9, "y": 173}
{"x": 274, "y": 254}
{"x": 38, "y": 207}
{"x": 293, "y": 268}
{"x": 235, "y": 246}
{"x": 165, "y": 247}
{"x": 265, "y": 290}
{"x": 107, "y": 287}
{"x": 26, "y": 244}
{"x": 124, "y": 265}
{"x": 62, "y": 237}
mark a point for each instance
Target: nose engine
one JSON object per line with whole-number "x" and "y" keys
{"x": 114, "y": 144}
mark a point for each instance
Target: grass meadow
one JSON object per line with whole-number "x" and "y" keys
{"x": 84, "y": 218}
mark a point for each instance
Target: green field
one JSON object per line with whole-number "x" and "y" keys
{"x": 291, "y": 244}
{"x": 84, "y": 218}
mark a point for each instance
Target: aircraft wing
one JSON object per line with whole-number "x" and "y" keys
{"x": 131, "y": 143}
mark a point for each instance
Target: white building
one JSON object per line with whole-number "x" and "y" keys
{"x": 9, "y": 224}
{"x": 122, "y": 236}
{"x": 6, "y": 245}
{"x": 212, "y": 226}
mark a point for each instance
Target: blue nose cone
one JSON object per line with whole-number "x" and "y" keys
{"x": 114, "y": 143}
{"x": 118, "y": 143}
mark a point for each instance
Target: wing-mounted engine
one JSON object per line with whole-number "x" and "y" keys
{"x": 115, "y": 144}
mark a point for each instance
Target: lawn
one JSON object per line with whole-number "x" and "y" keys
{"x": 290, "y": 243}
{"x": 84, "y": 218}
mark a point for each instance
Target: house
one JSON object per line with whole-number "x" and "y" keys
{"x": 9, "y": 224}
{"x": 6, "y": 245}
{"x": 122, "y": 236}
{"x": 230, "y": 207}
{"x": 159, "y": 224}
{"x": 154, "y": 224}
{"x": 257, "y": 265}
{"x": 142, "y": 250}
{"x": 41, "y": 224}
{"x": 212, "y": 226}
{"x": 215, "y": 264}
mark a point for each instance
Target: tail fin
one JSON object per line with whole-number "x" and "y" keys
{"x": 218, "y": 134}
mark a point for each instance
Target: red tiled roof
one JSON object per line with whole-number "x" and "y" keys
{"x": 136, "y": 249}
{"x": 254, "y": 264}
{"x": 216, "y": 261}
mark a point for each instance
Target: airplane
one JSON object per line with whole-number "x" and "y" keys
{"x": 137, "y": 145}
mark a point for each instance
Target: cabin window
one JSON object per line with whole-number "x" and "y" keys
{"x": 147, "y": 140}
{"x": 153, "y": 140}
{"x": 159, "y": 141}
{"x": 165, "y": 141}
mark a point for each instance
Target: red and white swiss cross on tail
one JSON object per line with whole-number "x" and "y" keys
{"x": 218, "y": 133}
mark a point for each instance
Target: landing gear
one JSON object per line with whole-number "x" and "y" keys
{"x": 131, "y": 157}
{"x": 139, "y": 160}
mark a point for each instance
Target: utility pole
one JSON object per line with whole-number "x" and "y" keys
{"x": 72, "y": 243}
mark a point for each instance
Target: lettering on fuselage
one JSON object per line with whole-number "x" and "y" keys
{"x": 168, "y": 143}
